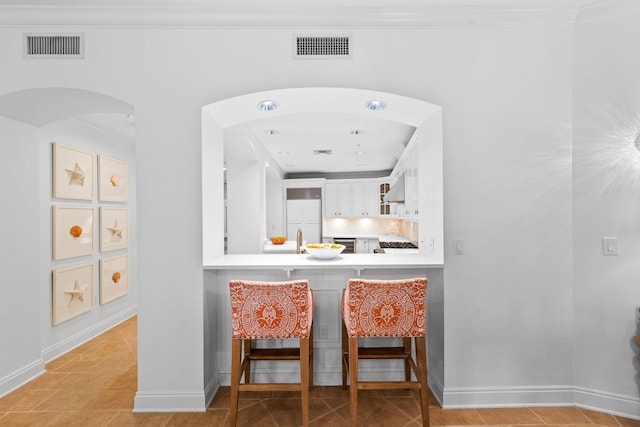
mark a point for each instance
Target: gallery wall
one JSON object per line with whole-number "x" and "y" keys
{"x": 506, "y": 94}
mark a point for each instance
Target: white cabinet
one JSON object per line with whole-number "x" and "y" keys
{"x": 365, "y": 199}
{"x": 338, "y": 200}
{"x": 366, "y": 246}
{"x": 352, "y": 199}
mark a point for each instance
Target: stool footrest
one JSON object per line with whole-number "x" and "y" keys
{"x": 269, "y": 386}
{"x": 387, "y": 385}
{"x": 381, "y": 353}
{"x": 274, "y": 353}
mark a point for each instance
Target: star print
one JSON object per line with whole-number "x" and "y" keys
{"x": 76, "y": 176}
{"x": 116, "y": 231}
{"x": 76, "y": 293}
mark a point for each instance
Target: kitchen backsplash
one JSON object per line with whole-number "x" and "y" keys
{"x": 371, "y": 227}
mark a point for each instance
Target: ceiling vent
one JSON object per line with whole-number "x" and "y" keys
{"x": 322, "y": 47}
{"x": 322, "y": 152}
{"x": 54, "y": 45}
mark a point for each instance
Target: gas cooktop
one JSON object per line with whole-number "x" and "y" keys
{"x": 398, "y": 245}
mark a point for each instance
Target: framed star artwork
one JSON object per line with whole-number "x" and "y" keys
{"x": 72, "y": 231}
{"x": 72, "y": 292}
{"x": 113, "y": 180}
{"x": 114, "y": 278}
{"x": 114, "y": 228}
{"x": 72, "y": 173}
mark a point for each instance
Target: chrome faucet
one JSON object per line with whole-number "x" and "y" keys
{"x": 299, "y": 241}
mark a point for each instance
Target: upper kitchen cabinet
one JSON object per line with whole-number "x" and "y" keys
{"x": 365, "y": 199}
{"x": 353, "y": 199}
{"x": 338, "y": 200}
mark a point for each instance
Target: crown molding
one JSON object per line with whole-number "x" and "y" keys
{"x": 607, "y": 11}
{"x": 325, "y": 17}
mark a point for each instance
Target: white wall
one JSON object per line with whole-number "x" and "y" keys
{"x": 20, "y": 294}
{"x": 506, "y": 97}
{"x": 606, "y": 182}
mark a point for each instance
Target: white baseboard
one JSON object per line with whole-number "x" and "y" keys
{"x": 625, "y": 406}
{"x": 170, "y": 401}
{"x": 68, "y": 344}
{"x": 211, "y": 388}
{"x": 494, "y": 397}
{"x": 21, "y": 377}
{"x": 615, "y": 404}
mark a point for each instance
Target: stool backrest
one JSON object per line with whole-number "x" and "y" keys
{"x": 385, "y": 308}
{"x": 270, "y": 309}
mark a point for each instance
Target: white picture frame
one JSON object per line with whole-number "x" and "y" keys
{"x": 72, "y": 231}
{"x": 114, "y": 228}
{"x": 114, "y": 278}
{"x": 72, "y": 173}
{"x": 113, "y": 180}
{"x": 72, "y": 292}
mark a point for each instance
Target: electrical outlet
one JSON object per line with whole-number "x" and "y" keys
{"x": 324, "y": 332}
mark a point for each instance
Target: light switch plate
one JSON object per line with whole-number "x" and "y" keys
{"x": 610, "y": 246}
{"x": 458, "y": 247}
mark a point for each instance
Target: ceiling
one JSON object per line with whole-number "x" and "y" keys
{"x": 328, "y": 143}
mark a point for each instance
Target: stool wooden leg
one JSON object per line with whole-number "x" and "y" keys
{"x": 353, "y": 379}
{"x": 310, "y": 364}
{"x": 304, "y": 379}
{"x": 247, "y": 358}
{"x": 407, "y": 354}
{"x": 421, "y": 356}
{"x": 344, "y": 359}
{"x": 236, "y": 350}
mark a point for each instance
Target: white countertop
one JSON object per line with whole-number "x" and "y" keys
{"x": 288, "y": 247}
{"x": 306, "y": 261}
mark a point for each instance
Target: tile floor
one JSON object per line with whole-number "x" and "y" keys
{"x": 94, "y": 385}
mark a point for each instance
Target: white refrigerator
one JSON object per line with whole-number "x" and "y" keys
{"x": 306, "y": 215}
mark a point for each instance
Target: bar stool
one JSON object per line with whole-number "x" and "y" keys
{"x": 270, "y": 310}
{"x": 385, "y": 309}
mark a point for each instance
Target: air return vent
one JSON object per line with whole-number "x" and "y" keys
{"x": 54, "y": 45}
{"x": 322, "y": 47}
{"x": 322, "y": 152}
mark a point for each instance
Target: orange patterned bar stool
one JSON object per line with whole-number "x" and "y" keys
{"x": 270, "y": 310}
{"x": 385, "y": 309}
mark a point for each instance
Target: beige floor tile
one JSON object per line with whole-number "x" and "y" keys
{"x": 197, "y": 419}
{"x": 498, "y": 416}
{"x": 627, "y": 422}
{"x": 24, "y": 400}
{"x": 129, "y": 419}
{"x": 454, "y": 417}
{"x": 561, "y": 415}
{"x": 84, "y": 419}
{"x": 600, "y": 418}
{"x": 30, "y": 419}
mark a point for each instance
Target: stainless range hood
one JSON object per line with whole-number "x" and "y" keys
{"x": 396, "y": 192}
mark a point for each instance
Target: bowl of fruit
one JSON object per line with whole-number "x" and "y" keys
{"x": 324, "y": 250}
{"x": 278, "y": 240}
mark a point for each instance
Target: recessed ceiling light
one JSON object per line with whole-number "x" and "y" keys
{"x": 271, "y": 132}
{"x": 267, "y": 105}
{"x": 283, "y": 153}
{"x": 360, "y": 153}
{"x": 357, "y": 132}
{"x": 375, "y": 105}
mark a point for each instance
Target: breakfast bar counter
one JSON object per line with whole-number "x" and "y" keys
{"x": 289, "y": 262}
{"x": 327, "y": 278}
